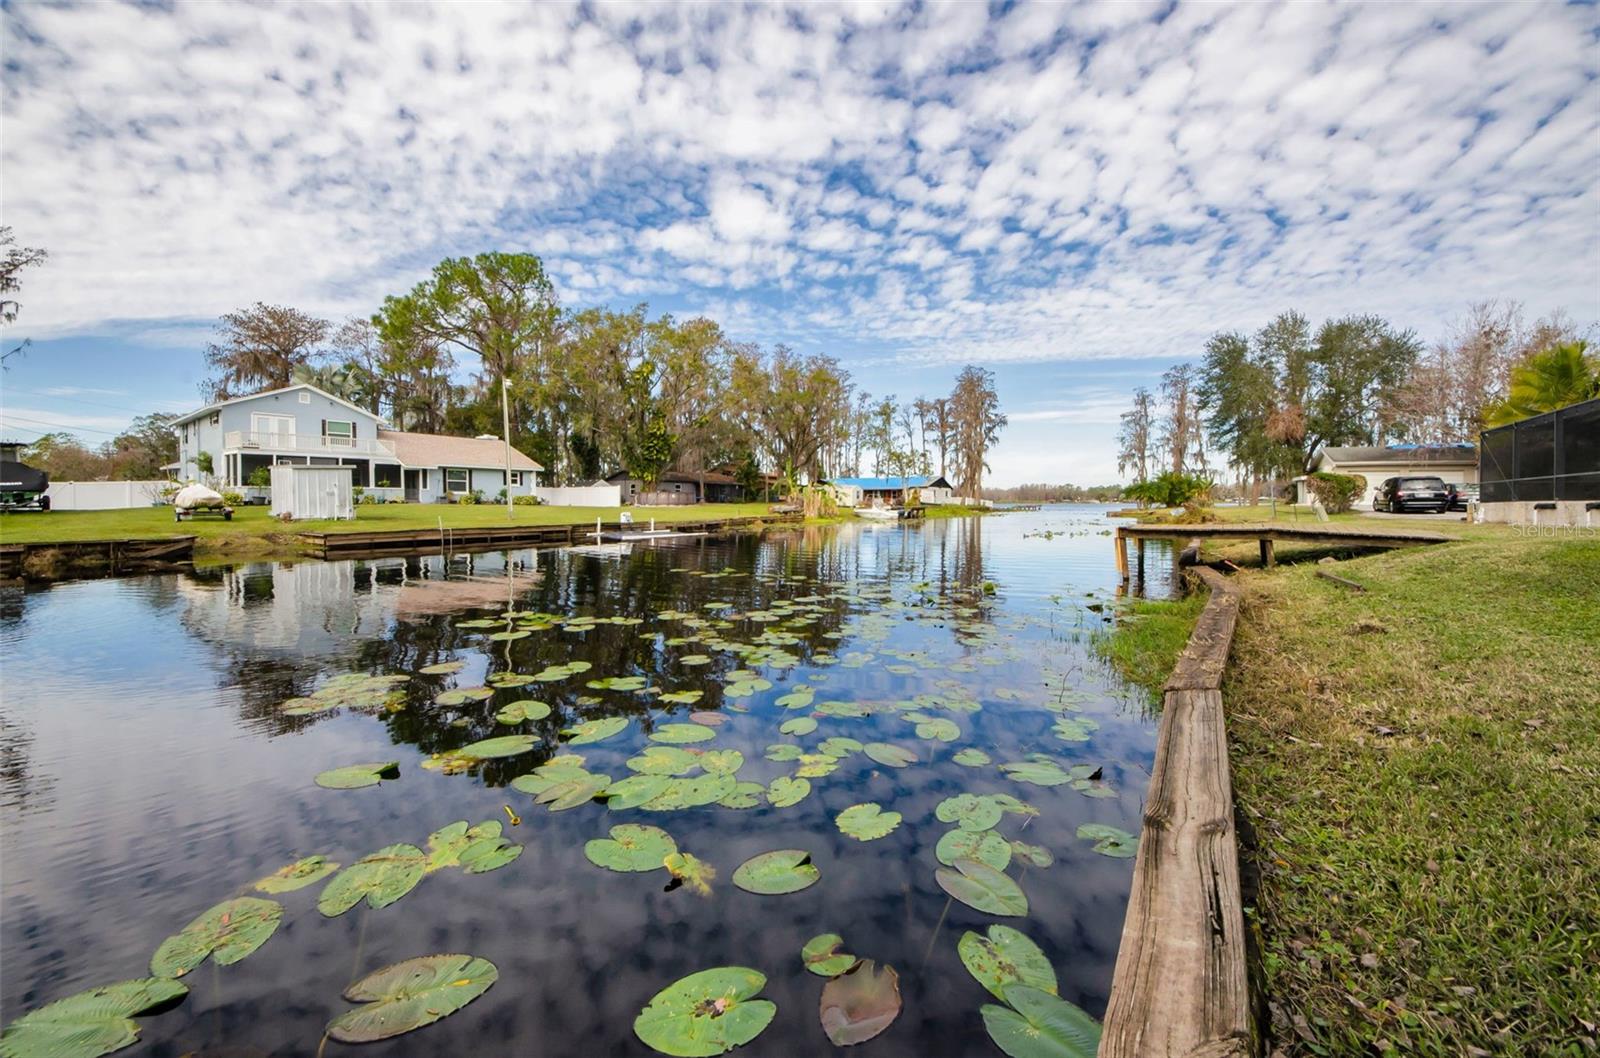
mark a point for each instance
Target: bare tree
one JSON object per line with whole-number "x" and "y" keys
{"x": 976, "y": 422}
{"x": 357, "y": 342}
{"x": 16, "y": 259}
{"x": 258, "y": 349}
{"x": 1182, "y": 436}
{"x": 1136, "y": 435}
{"x": 939, "y": 415}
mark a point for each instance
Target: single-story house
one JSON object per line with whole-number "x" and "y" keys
{"x": 862, "y": 492}
{"x": 1456, "y": 464}
{"x": 679, "y": 487}
{"x": 303, "y": 424}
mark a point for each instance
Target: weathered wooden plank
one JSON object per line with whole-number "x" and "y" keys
{"x": 1181, "y": 985}
{"x": 1321, "y": 533}
{"x": 1342, "y": 581}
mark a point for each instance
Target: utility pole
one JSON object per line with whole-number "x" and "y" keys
{"x": 505, "y": 432}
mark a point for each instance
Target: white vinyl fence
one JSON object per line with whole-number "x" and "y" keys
{"x": 103, "y": 495}
{"x": 581, "y": 495}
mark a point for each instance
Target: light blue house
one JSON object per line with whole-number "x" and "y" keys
{"x": 303, "y": 424}
{"x": 856, "y": 492}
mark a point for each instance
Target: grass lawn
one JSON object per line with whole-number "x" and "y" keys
{"x": 1420, "y": 766}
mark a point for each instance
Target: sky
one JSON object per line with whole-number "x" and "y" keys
{"x": 1074, "y": 196}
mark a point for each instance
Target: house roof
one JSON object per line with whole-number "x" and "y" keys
{"x": 209, "y": 408}
{"x": 710, "y": 477}
{"x": 923, "y": 481}
{"x": 437, "y": 450}
{"x": 1400, "y": 455}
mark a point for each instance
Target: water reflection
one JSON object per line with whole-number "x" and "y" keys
{"x": 148, "y": 772}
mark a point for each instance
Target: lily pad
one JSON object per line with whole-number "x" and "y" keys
{"x": 517, "y": 712}
{"x": 664, "y": 760}
{"x": 744, "y": 795}
{"x": 1074, "y": 728}
{"x": 227, "y": 932}
{"x": 570, "y": 793}
{"x": 1037, "y": 855}
{"x": 867, "y": 822}
{"x": 296, "y": 875}
{"x": 1005, "y": 957}
{"x": 690, "y": 871}
{"x": 971, "y": 758}
{"x": 728, "y": 761}
{"x": 785, "y": 791}
{"x": 618, "y": 683}
{"x": 635, "y": 790}
{"x": 980, "y": 886}
{"x": 463, "y": 695}
{"x": 889, "y": 755}
{"x": 91, "y": 1023}
{"x": 631, "y": 847}
{"x": 860, "y": 1003}
{"x": 692, "y": 793}
{"x": 503, "y": 746}
{"x": 706, "y": 1014}
{"x": 595, "y": 730}
{"x": 968, "y": 811}
{"x": 682, "y": 734}
{"x": 783, "y": 752}
{"x": 411, "y": 994}
{"x": 443, "y": 668}
{"x": 939, "y": 729}
{"x": 694, "y": 659}
{"x": 1109, "y": 840}
{"x": 799, "y": 698}
{"x": 1040, "y": 771}
{"x": 800, "y": 725}
{"x": 839, "y": 747}
{"x": 355, "y": 776}
{"x": 985, "y": 846}
{"x": 1040, "y": 1025}
{"x": 775, "y": 873}
{"x": 823, "y": 957}
{"x": 815, "y": 765}
{"x": 382, "y": 878}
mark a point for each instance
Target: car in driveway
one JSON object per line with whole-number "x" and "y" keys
{"x": 1461, "y": 495}
{"x": 1398, "y": 495}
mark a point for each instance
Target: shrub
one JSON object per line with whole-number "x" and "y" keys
{"x": 233, "y": 499}
{"x": 467, "y": 499}
{"x": 260, "y": 478}
{"x": 526, "y": 501}
{"x": 1338, "y": 492}
{"x": 370, "y": 498}
{"x": 1172, "y": 489}
{"x": 203, "y": 463}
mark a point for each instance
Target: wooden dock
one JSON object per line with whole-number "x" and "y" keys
{"x": 491, "y": 538}
{"x": 1181, "y": 984}
{"x": 1266, "y": 535}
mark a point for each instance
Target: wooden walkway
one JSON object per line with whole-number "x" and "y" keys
{"x": 1267, "y": 534}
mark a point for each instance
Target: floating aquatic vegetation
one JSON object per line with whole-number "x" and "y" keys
{"x": 634, "y": 791}
{"x": 776, "y": 873}
{"x": 1074, "y": 728}
{"x": 839, "y": 747}
{"x": 784, "y": 791}
{"x": 684, "y": 698}
{"x": 508, "y": 679}
{"x": 518, "y": 712}
{"x": 463, "y": 695}
{"x": 694, "y": 874}
{"x": 693, "y": 660}
{"x": 814, "y": 765}
{"x": 680, "y": 734}
{"x": 595, "y": 730}
{"x": 296, "y": 875}
{"x": 1037, "y": 855}
{"x": 799, "y": 698}
{"x": 1109, "y": 840}
{"x": 983, "y": 888}
{"x": 554, "y": 673}
{"x": 935, "y": 728}
{"x": 969, "y": 811}
{"x": 985, "y": 846}
{"x": 227, "y": 932}
{"x": 506, "y": 637}
{"x": 1037, "y": 1024}
{"x": 631, "y": 847}
{"x": 746, "y": 688}
{"x": 822, "y": 956}
{"x": 381, "y": 878}
{"x": 692, "y": 793}
{"x": 842, "y": 709}
{"x": 355, "y": 690}
{"x": 355, "y": 776}
{"x": 706, "y": 1014}
{"x": 476, "y": 850}
{"x": 800, "y": 725}
{"x": 744, "y": 795}
{"x": 618, "y": 683}
{"x": 443, "y": 668}
{"x": 889, "y": 755}
{"x": 704, "y": 717}
{"x": 867, "y": 822}
{"x": 410, "y": 994}
{"x": 860, "y": 1003}
{"x": 721, "y": 760}
{"x": 664, "y": 760}
{"x": 570, "y": 792}
{"x": 1005, "y": 957}
{"x": 971, "y": 758}
{"x": 1038, "y": 769}
{"x": 90, "y": 1023}
{"x": 456, "y": 760}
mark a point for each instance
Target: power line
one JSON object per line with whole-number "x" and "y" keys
{"x": 6, "y": 416}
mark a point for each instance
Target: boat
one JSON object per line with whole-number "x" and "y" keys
{"x": 878, "y": 514}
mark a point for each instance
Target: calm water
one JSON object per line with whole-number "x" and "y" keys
{"x": 147, "y": 772}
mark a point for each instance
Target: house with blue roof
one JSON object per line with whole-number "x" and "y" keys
{"x": 892, "y": 491}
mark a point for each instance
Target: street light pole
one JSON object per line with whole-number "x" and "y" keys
{"x": 505, "y": 432}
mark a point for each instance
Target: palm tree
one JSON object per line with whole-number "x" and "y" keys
{"x": 1565, "y": 374}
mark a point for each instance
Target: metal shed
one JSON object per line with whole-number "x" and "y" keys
{"x": 301, "y": 492}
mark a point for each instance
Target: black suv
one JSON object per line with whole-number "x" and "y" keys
{"x": 1397, "y": 495}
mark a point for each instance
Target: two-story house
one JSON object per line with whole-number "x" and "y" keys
{"x": 227, "y": 442}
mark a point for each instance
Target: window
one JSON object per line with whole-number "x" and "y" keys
{"x": 455, "y": 479}
{"x": 339, "y": 434}
{"x": 516, "y": 479}
{"x": 216, "y": 417}
{"x": 385, "y": 476}
{"x": 305, "y": 396}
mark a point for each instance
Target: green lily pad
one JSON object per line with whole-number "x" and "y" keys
{"x": 635, "y": 790}
{"x": 1109, "y": 840}
{"x": 706, "y": 1014}
{"x": 683, "y": 697}
{"x": 506, "y": 637}
{"x": 382, "y": 878}
{"x": 692, "y": 793}
{"x": 799, "y": 698}
{"x": 980, "y": 886}
{"x": 775, "y": 873}
{"x": 1074, "y": 728}
{"x": 867, "y": 822}
{"x": 744, "y": 795}
{"x": 800, "y": 725}
{"x": 570, "y": 793}
{"x": 227, "y": 932}
{"x": 823, "y": 957}
{"x": 938, "y": 728}
{"x": 443, "y": 668}
{"x": 1003, "y": 958}
{"x": 296, "y": 875}
{"x": 1037, "y": 855}
{"x": 411, "y": 994}
{"x": 618, "y": 683}
{"x": 969, "y": 811}
{"x": 691, "y": 872}
{"x": 985, "y": 846}
{"x": 463, "y": 695}
{"x": 1040, "y": 772}
{"x": 682, "y": 734}
{"x": 971, "y": 758}
{"x": 1007, "y": 803}
{"x": 815, "y": 765}
{"x": 784, "y": 791}
{"x": 694, "y": 659}
{"x": 354, "y": 776}
{"x": 517, "y": 712}
{"x": 860, "y": 1003}
{"x": 783, "y": 752}
{"x": 631, "y": 847}
{"x": 90, "y": 1023}
{"x": 728, "y": 761}
{"x": 503, "y": 746}
{"x": 889, "y": 755}
{"x": 664, "y": 760}
{"x": 595, "y": 730}
{"x": 1040, "y": 1025}
{"x": 839, "y": 747}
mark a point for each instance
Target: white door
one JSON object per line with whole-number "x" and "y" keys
{"x": 273, "y": 431}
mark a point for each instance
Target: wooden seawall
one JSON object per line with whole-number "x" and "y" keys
{"x": 488, "y": 538}
{"x": 1181, "y": 986}
{"x": 1269, "y": 534}
{"x": 94, "y": 557}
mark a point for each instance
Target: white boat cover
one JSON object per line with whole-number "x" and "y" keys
{"x": 191, "y": 497}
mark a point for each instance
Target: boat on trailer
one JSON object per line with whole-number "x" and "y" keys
{"x": 879, "y": 514}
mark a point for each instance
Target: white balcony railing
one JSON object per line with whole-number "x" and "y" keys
{"x": 244, "y": 440}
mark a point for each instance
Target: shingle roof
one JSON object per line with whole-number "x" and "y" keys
{"x": 922, "y": 481}
{"x": 193, "y": 415}
{"x": 1463, "y": 454}
{"x": 437, "y": 450}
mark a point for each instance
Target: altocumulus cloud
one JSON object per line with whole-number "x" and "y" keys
{"x": 957, "y": 181}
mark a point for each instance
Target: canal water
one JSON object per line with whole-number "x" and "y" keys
{"x": 158, "y": 753}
